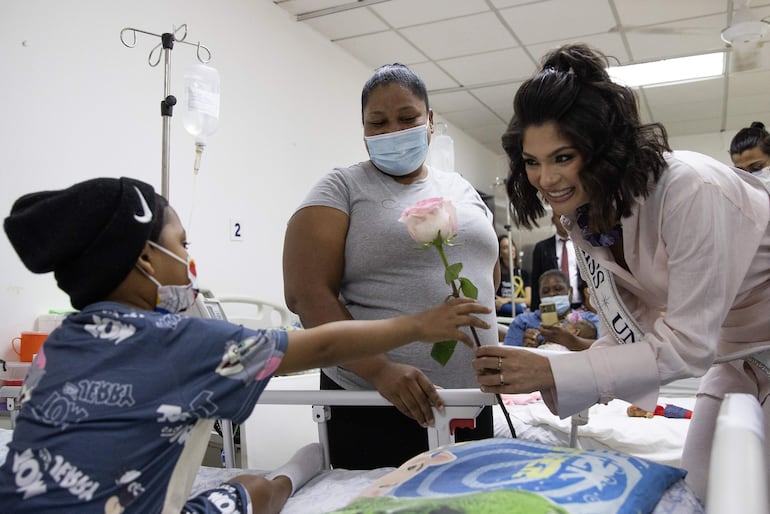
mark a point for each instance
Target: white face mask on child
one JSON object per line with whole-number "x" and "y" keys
{"x": 175, "y": 299}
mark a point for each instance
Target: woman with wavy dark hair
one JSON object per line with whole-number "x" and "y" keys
{"x": 674, "y": 245}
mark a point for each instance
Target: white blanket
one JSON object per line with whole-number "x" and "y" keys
{"x": 658, "y": 439}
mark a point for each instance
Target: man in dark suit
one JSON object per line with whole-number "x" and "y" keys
{"x": 548, "y": 254}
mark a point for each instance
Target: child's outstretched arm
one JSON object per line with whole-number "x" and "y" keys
{"x": 341, "y": 341}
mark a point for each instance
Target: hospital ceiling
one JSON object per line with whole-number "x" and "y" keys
{"x": 473, "y": 54}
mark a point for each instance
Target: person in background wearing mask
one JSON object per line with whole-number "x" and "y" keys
{"x": 527, "y": 329}
{"x": 118, "y": 405}
{"x": 364, "y": 265}
{"x": 750, "y": 151}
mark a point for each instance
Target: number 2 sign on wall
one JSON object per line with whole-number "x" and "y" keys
{"x": 236, "y": 230}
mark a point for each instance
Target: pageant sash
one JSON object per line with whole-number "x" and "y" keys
{"x": 623, "y": 326}
{"x": 606, "y": 300}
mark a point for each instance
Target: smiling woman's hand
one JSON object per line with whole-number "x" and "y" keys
{"x": 507, "y": 369}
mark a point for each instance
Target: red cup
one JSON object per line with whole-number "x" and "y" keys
{"x": 29, "y": 344}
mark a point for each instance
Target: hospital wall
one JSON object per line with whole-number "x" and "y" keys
{"x": 77, "y": 103}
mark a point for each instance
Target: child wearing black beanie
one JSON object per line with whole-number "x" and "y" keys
{"x": 118, "y": 405}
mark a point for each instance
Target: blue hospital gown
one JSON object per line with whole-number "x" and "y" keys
{"x": 110, "y": 401}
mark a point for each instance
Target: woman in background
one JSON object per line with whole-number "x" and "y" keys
{"x": 511, "y": 291}
{"x": 750, "y": 151}
{"x": 675, "y": 246}
{"x": 346, "y": 256}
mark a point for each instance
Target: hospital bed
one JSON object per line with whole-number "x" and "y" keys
{"x": 292, "y": 412}
{"x": 738, "y": 464}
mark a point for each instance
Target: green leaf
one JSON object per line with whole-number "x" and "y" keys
{"x": 442, "y": 352}
{"x": 468, "y": 289}
{"x": 452, "y": 272}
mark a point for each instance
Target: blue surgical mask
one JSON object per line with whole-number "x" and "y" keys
{"x": 172, "y": 298}
{"x": 399, "y": 153}
{"x": 562, "y": 303}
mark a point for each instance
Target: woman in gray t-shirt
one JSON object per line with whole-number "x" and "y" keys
{"x": 347, "y": 256}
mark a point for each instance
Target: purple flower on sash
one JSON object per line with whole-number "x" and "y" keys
{"x": 596, "y": 239}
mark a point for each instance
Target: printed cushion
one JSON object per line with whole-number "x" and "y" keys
{"x": 511, "y": 475}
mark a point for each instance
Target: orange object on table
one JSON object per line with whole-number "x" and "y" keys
{"x": 29, "y": 343}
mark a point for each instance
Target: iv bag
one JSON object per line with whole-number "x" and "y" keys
{"x": 201, "y": 117}
{"x": 441, "y": 154}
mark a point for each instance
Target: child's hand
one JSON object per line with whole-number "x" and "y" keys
{"x": 531, "y": 338}
{"x": 442, "y": 323}
{"x": 557, "y": 334}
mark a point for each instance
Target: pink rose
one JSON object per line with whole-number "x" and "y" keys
{"x": 425, "y": 219}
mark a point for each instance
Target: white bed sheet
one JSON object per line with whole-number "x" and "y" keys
{"x": 658, "y": 439}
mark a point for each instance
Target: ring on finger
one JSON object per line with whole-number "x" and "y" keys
{"x": 499, "y": 363}
{"x": 502, "y": 382}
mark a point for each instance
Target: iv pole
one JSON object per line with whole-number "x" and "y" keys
{"x": 169, "y": 100}
{"x": 166, "y": 111}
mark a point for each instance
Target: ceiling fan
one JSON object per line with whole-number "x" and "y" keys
{"x": 744, "y": 35}
{"x": 745, "y": 27}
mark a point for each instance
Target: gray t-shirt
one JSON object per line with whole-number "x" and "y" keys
{"x": 387, "y": 274}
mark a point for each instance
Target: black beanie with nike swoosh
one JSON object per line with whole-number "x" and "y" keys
{"x": 89, "y": 234}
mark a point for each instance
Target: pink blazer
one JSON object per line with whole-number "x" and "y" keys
{"x": 698, "y": 251}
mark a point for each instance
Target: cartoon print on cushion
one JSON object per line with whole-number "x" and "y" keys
{"x": 407, "y": 470}
{"x": 580, "y": 481}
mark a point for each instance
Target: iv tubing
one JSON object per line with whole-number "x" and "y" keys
{"x": 198, "y": 153}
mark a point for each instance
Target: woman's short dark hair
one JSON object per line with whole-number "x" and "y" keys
{"x": 748, "y": 138}
{"x": 601, "y": 119}
{"x": 399, "y": 74}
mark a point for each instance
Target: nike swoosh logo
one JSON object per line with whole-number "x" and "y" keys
{"x": 146, "y": 215}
